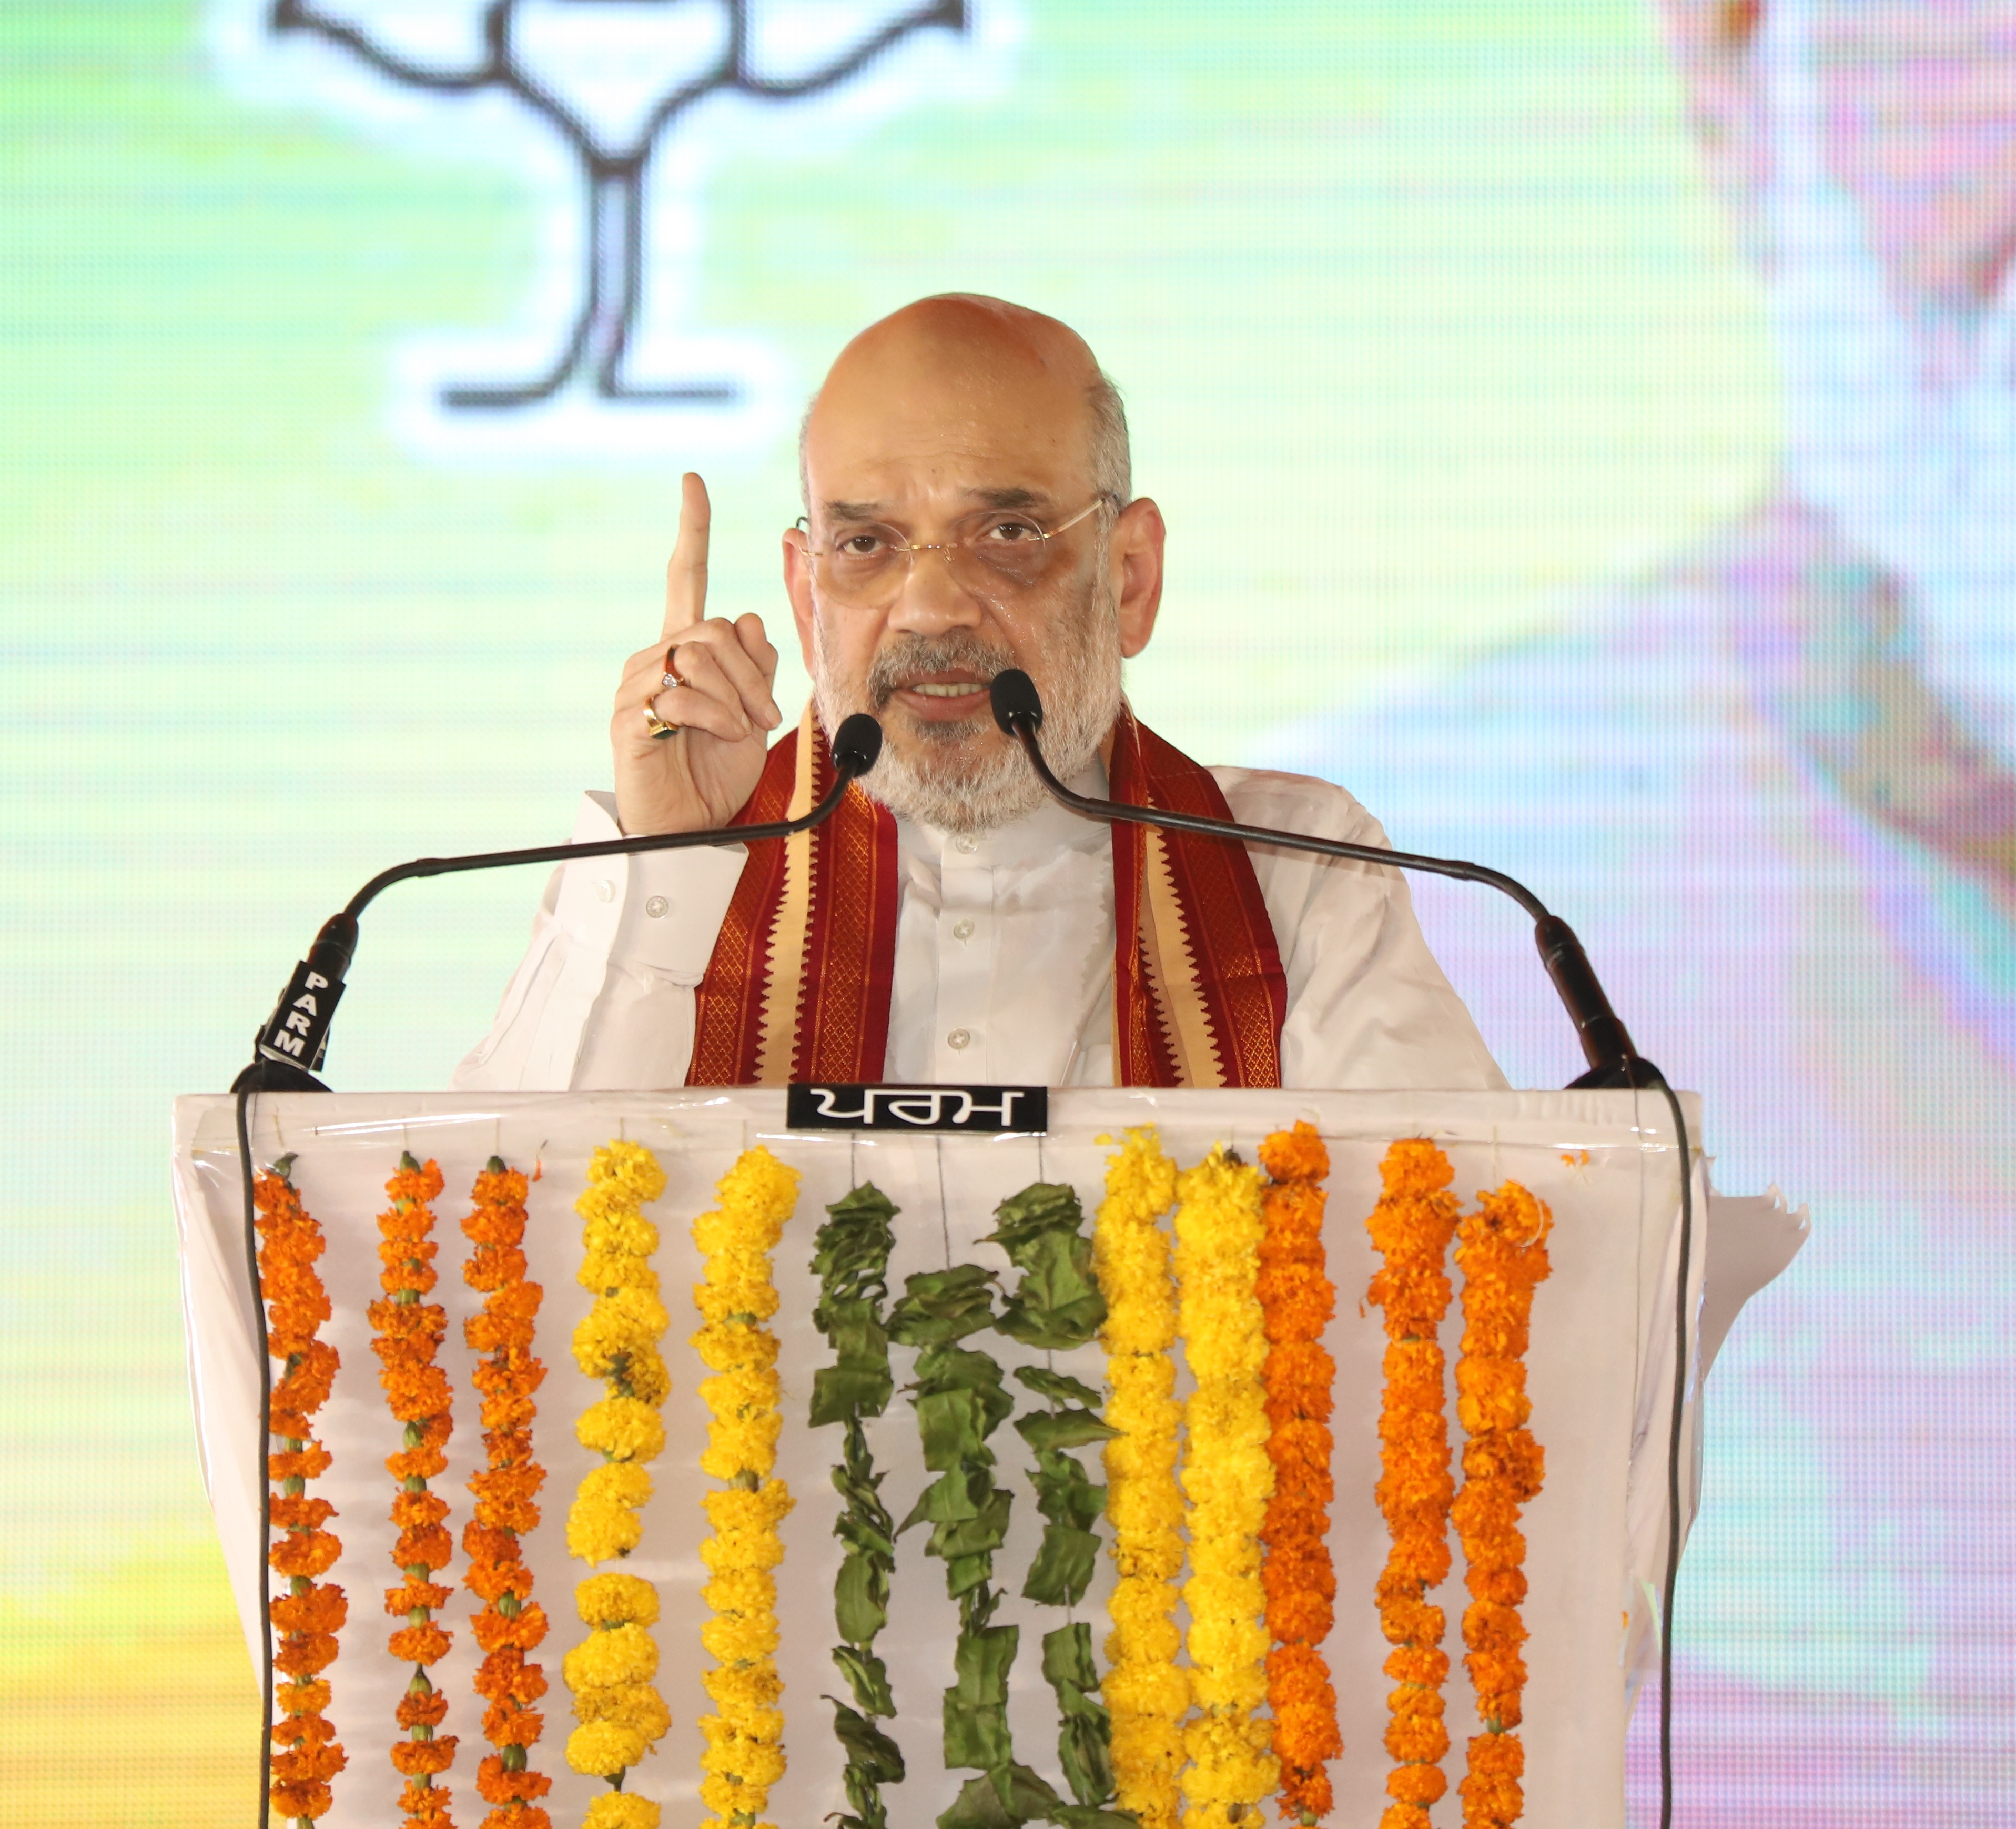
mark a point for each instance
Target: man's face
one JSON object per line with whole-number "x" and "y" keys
{"x": 925, "y": 445}
{"x": 1917, "y": 106}
{"x": 1918, "y": 102}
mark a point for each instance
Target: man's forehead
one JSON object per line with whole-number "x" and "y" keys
{"x": 953, "y": 456}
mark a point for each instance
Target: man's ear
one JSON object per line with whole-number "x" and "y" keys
{"x": 798, "y": 588}
{"x": 1138, "y": 535}
{"x": 1714, "y": 44}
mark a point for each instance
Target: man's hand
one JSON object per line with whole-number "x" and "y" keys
{"x": 698, "y": 779}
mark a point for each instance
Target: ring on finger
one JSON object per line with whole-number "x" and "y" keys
{"x": 673, "y": 677}
{"x": 654, "y": 726}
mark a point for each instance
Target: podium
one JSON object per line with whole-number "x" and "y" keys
{"x": 1601, "y": 1368}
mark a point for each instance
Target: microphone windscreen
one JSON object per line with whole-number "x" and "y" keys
{"x": 1015, "y": 699}
{"x": 857, "y": 743}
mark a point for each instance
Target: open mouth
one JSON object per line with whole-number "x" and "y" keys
{"x": 941, "y": 696}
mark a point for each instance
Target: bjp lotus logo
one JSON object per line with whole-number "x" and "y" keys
{"x": 620, "y": 108}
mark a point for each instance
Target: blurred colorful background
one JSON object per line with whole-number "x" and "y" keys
{"x": 1582, "y": 429}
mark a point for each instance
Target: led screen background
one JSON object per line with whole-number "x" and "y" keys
{"x": 1438, "y": 342}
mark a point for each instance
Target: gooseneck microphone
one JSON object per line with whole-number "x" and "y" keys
{"x": 1605, "y": 1042}
{"x": 1613, "y": 1062}
{"x": 290, "y": 1046}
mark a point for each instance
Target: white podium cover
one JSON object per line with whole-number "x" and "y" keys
{"x": 1601, "y": 1368}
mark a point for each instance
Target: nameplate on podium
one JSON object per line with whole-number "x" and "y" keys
{"x": 974, "y": 1111}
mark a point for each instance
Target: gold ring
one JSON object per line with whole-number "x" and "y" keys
{"x": 654, "y": 726}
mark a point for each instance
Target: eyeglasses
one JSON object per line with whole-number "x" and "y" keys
{"x": 993, "y": 554}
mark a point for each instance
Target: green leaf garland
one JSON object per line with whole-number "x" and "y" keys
{"x": 1056, "y": 1306}
{"x": 851, "y": 1261}
{"x": 959, "y": 1401}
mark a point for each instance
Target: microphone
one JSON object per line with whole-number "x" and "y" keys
{"x": 289, "y": 1049}
{"x": 1613, "y": 1061}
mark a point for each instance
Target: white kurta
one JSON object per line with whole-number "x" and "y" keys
{"x": 1004, "y": 958}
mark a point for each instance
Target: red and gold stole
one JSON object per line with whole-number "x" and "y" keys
{"x": 798, "y": 986}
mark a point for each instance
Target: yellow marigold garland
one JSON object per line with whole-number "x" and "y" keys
{"x": 407, "y": 1337}
{"x": 745, "y": 1740}
{"x": 1229, "y": 1480}
{"x": 1146, "y": 1690}
{"x": 1296, "y": 1300}
{"x": 609, "y": 1672}
{"x": 308, "y": 1616}
{"x": 1503, "y": 1254}
{"x": 510, "y": 1624}
{"x": 1411, "y": 1228}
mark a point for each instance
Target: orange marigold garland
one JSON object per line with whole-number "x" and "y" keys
{"x": 1297, "y": 1299}
{"x": 1503, "y": 1254}
{"x": 308, "y": 1616}
{"x": 511, "y": 1623}
{"x": 1411, "y": 1228}
{"x": 407, "y": 1337}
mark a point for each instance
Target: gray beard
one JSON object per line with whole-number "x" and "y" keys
{"x": 938, "y": 785}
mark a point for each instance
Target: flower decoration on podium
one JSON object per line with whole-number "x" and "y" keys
{"x": 1215, "y": 1505}
{"x": 409, "y": 1331}
{"x": 312, "y": 1612}
{"x": 621, "y": 1712}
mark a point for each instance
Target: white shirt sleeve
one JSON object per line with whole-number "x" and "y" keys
{"x": 603, "y": 998}
{"x": 1368, "y": 1006}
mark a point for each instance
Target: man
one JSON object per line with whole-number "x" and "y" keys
{"x": 966, "y": 474}
{"x": 1774, "y": 785}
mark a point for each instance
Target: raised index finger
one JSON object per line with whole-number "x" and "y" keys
{"x": 685, "y": 571}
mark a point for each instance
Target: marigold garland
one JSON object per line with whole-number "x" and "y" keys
{"x": 1503, "y": 1254}
{"x": 511, "y": 1624}
{"x": 745, "y": 1740}
{"x": 1411, "y": 1228}
{"x": 308, "y": 1616}
{"x": 407, "y": 1338}
{"x": 621, "y": 1712}
{"x": 1296, "y": 1300}
{"x": 1146, "y": 1692}
{"x": 1229, "y": 1480}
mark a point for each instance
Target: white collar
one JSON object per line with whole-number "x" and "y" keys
{"x": 1035, "y": 840}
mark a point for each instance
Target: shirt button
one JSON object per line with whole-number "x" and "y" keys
{"x": 605, "y": 890}
{"x": 966, "y": 842}
{"x": 656, "y": 907}
{"x": 962, "y": 931}
{"x": 958, "y": 1038}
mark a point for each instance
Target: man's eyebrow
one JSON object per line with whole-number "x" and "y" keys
{"x": 1010, "y": 498}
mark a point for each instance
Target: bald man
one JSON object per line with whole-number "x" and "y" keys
{"x": 968, "y": 509}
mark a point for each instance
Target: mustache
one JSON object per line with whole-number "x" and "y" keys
{"x": 914, "y": 657}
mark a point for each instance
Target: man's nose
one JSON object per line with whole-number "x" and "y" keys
{"x": 931, "y": 597}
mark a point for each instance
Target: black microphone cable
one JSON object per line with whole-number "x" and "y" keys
{"x": 243, "y": 1098}
{"x": 1670, "y": 1587}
